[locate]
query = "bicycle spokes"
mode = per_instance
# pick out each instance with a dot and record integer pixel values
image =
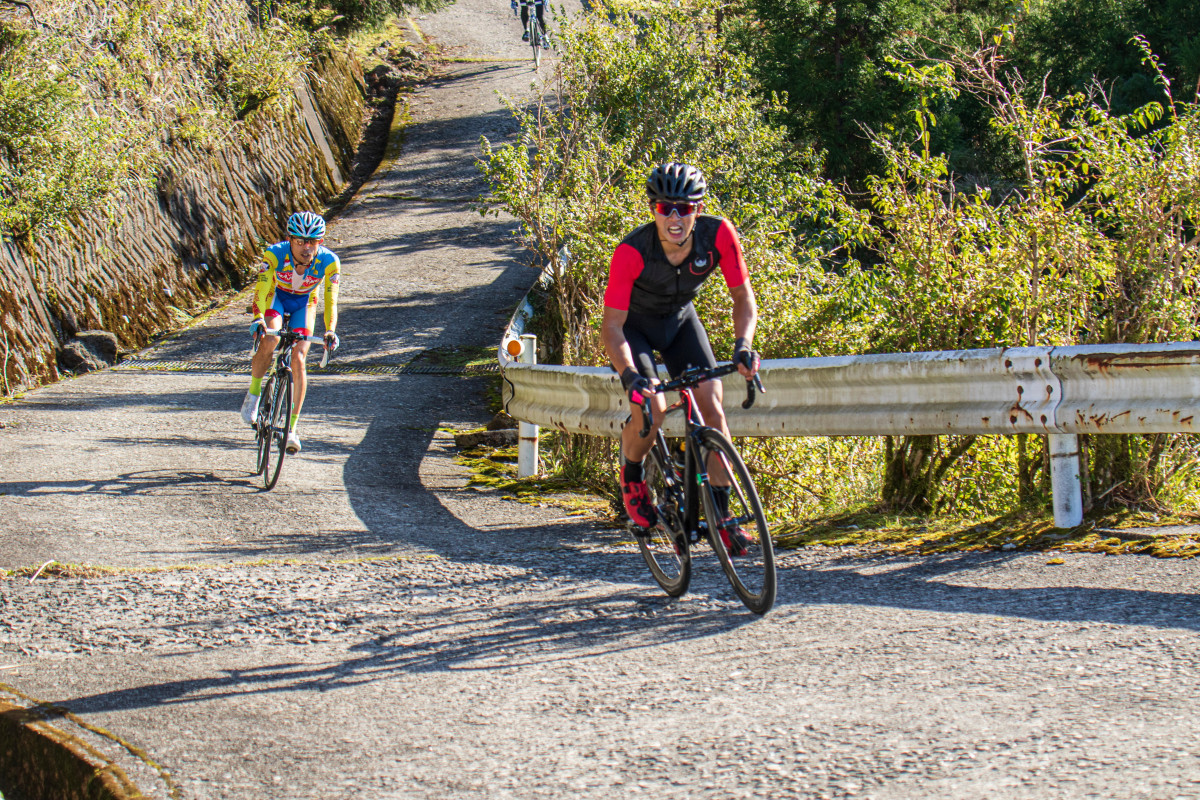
(665, 547)
(738, 529)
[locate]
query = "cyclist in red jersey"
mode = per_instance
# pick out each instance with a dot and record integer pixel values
(656, 272)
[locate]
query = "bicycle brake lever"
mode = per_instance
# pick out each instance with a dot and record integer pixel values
(750, 386)
(325, 357)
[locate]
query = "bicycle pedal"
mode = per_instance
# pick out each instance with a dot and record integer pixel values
(646, 533)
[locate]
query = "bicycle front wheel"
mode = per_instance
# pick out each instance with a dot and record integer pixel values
(665, 547)
(277, 430)
(262, 426)
(535, 39)
(737, 529)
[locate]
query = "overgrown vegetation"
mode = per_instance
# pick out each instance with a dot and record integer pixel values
(1074, 224)
(576, 177)
(93, 92)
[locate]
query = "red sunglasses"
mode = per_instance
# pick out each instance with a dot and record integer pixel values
(682, 209)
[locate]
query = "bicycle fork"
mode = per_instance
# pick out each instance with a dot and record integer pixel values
(695, 477)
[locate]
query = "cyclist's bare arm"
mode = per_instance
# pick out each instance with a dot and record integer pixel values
(612, 335)
(745, 319)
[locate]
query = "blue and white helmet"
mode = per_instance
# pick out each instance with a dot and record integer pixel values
(307, 225)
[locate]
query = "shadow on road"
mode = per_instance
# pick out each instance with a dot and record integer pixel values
(928, 585)
(160, 483)
(533, 632)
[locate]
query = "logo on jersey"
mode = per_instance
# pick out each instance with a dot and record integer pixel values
(701, 265)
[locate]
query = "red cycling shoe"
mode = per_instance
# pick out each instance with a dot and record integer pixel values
(737, 542)
(637, 502)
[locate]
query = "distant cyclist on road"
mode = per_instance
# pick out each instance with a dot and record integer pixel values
(289, 273)
(539, 9)
(655, 273)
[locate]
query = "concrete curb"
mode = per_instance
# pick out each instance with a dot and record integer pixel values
(41, 761)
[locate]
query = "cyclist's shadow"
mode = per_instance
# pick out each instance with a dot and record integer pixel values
(142, 482)
(528, 633)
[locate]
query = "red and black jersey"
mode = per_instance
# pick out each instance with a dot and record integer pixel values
(642, 281)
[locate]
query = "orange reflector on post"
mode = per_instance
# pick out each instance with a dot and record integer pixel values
(513, 347)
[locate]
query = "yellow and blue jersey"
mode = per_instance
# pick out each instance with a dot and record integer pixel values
(284, 286)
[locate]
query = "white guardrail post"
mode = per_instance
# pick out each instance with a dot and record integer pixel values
(527, 447)
(1064, 479)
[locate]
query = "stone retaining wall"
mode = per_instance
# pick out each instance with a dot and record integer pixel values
(193, 234)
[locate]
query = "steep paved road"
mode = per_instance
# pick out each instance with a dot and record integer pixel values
(375, 629)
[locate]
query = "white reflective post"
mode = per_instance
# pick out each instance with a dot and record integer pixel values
(527, 447)
(1064, 479)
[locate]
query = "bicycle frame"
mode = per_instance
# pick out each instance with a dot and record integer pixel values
(694, 473)
(283, 349)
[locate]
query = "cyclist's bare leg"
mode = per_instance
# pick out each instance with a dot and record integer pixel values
(299, 376)
(633, 445)
(299, 353)
(261, 362)
(709, 396)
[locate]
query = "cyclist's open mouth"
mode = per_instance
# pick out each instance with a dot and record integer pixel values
(676, 233)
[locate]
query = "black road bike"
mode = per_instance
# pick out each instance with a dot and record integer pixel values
(678, 478)
(273, 421)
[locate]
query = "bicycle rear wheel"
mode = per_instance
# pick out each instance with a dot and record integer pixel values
(279, 424)
(740, 537)
(665, 547)
(535, 38)
(262, 426)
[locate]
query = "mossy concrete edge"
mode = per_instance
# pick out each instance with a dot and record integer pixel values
(41, 762)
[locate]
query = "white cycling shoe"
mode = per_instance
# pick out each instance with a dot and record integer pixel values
(249, 408)
(293, 443)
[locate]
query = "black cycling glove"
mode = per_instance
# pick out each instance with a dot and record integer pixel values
(742, 354)
(636, 385)
(331, 341)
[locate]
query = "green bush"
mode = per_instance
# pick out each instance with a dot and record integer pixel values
(348, 15)
(629, 94)
(59, 154)
(90, 101)
(1088, 236)
(259, 70)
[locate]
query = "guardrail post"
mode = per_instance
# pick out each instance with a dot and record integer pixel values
(1064, 479)
(527, 448)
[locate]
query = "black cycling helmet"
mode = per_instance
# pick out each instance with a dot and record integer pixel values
(676, 182)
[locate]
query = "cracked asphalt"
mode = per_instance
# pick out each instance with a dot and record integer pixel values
(375, 628)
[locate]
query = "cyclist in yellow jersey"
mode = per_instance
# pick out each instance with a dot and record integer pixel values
(289, 273)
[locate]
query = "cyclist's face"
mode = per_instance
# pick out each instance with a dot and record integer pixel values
(304, 249)
(675, 226)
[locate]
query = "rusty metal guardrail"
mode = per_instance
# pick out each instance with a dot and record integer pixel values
(1057, 391)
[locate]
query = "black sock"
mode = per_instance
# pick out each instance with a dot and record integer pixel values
(633, 471)
(721, 496)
